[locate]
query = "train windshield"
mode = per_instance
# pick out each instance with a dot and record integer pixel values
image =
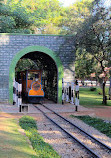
(33, 76)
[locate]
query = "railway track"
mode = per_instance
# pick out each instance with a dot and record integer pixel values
(94, 147)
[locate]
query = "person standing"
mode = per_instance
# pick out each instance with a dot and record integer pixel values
(76, 95)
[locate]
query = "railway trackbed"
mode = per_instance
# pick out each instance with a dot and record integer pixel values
(93, 146)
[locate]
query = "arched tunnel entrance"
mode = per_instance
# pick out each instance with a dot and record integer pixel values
(49, 78)
(47, 60)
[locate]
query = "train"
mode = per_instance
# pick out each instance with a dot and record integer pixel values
(32, 86)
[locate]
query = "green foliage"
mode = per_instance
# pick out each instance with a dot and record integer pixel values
(74, 16)
(42, 149)
(97, 123)
(84, 65)
(92, 89)
(27, 123)
(7, 23)
(94, 36)
(19, 30)
(14, 19)
(25, 64)
(21, 17)
(40, 16)
(1, 3)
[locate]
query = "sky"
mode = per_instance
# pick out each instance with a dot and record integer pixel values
(108, 3)
(68, 2)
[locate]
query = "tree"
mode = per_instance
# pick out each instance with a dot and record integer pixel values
(5, 18)
(85, 65)
(109, 65)
(45, 14)
(25, 64)
(14, 20)
(94, 36)
(74, 15)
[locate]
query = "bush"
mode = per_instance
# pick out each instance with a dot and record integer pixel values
(92, 89)
(42, 149)
(97, 123)
(27, 122)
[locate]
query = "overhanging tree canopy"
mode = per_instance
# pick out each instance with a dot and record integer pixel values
(94, 36)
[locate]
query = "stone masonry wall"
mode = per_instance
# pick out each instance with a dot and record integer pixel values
(11, 44)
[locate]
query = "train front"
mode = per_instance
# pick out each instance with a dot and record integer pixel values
(34, 91)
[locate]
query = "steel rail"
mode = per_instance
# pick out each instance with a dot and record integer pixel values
(70, 135)
(104, 145)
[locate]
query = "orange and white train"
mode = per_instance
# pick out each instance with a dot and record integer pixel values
(32, 85)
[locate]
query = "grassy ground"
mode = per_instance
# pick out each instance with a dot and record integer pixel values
(42, 149)
(91, 98)
(97, 123)
(12, 143)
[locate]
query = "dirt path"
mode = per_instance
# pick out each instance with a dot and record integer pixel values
(104, 112)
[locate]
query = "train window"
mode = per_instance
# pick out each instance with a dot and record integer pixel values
(36, 75)
(33, 76)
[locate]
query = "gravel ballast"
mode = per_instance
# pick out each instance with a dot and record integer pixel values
(56, 139)
(65, 147)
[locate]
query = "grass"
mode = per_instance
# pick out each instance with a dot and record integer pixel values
(42, 149)
(91, 98)
(97, 123)
(12, 143)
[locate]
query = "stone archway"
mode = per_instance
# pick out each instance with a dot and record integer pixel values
(32, 49)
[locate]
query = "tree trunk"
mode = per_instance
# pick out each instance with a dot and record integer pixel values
(110, 90)
(104, 82)
(96, 82)
(104, 94)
